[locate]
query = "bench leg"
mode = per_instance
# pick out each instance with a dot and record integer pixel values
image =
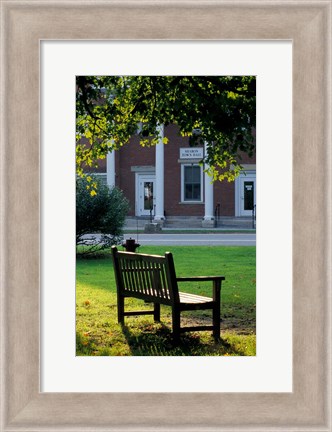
(120, 309)
(156, 312)
(176, 324)
(216, 322)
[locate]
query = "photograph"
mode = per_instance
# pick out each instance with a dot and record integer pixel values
(166, 216)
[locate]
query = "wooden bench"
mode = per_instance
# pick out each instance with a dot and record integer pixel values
(152, 278)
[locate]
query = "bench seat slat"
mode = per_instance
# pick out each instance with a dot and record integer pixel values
(193, 298)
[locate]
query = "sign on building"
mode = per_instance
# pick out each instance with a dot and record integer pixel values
(191, 153)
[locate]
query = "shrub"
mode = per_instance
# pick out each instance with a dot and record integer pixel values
(100, 216)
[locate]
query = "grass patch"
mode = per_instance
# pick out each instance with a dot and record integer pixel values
(97, 330)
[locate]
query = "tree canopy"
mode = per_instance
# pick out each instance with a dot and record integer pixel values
(219, 111)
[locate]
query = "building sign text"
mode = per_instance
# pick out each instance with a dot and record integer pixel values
(191, 153)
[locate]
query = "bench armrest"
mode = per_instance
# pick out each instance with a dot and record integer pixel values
(216, 283)
(200, 278)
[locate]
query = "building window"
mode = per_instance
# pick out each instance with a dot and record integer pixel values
(191, 183)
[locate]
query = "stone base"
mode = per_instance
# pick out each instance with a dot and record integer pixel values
(158, 221)
(208, 223)
(152, 227)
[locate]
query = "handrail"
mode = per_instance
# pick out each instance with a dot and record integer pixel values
(254, 217)
(217, 213)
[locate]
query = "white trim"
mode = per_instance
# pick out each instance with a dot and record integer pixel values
(160, 181)
(208, 198)
(249, 174)
(248, 167)
(208, 193)
(143, 169)
(110, 168)
(183, 201)
(102, 175)
(138, 178)
(190, 161)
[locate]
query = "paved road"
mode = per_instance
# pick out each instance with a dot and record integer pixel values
(214, 239)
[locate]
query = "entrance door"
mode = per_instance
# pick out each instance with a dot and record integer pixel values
(247, 194)
(146, 195)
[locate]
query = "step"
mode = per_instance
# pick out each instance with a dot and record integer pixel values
(193, 222)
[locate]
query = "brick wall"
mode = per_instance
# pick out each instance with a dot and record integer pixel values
(133, 155)
(130, 155)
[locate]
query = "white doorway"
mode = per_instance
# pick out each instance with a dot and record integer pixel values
(246, 194)
(145, 194)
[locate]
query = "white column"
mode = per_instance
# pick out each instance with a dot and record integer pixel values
(159, 193)
(208, 220)
(110, 168)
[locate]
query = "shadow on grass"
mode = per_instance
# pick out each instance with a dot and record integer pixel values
(152, 341)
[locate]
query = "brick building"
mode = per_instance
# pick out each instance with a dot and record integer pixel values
(166, 182)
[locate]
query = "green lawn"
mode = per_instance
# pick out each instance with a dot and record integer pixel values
(96, 321)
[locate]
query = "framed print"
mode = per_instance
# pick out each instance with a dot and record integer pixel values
(242, 374)
(307, 25)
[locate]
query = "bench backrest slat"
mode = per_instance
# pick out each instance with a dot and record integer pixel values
(150, 276)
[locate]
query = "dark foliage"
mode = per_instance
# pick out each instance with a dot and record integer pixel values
(100, 215)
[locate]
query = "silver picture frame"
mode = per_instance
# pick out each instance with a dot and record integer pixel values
(307, 23)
